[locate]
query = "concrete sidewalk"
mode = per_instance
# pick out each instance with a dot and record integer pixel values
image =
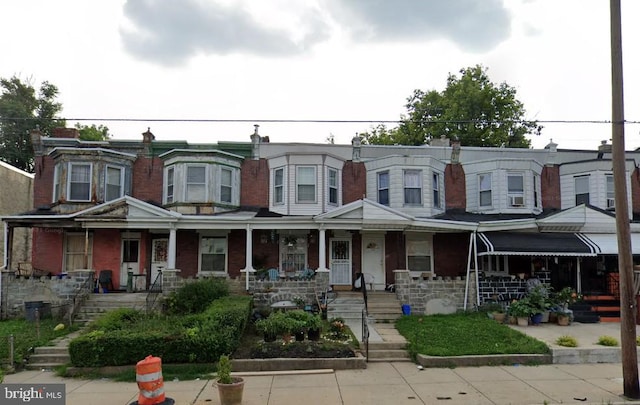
(380, 383)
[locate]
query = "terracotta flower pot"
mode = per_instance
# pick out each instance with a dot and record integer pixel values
(231, 394)
(563, 320)
(523, 320)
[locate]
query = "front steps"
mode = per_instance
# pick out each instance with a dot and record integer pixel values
(606, 307)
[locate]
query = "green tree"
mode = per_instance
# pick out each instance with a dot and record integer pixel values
(471, 109)
(93, 133)
(23, 109)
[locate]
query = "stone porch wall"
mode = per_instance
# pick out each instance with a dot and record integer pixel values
(425, 296)
(59, 292)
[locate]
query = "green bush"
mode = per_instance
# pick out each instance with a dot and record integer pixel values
(196, 296)
(281, 323)
(197, 338)
(607, 341)
(567, 341)
(121, 318)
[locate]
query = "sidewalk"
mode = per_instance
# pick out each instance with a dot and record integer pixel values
(380, 383)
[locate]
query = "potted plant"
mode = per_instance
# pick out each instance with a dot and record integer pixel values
(268, 328)
(563, 318)
(494, 310)
(521, 310)
(302, 319)
(280, 323)
(314, 327)
(538, 298)
(230, 388)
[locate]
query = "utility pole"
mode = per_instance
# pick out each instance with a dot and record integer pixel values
(625, 260)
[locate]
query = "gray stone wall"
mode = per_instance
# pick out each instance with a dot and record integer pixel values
(423, 295)
(60, 293)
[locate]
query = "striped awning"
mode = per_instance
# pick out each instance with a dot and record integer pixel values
(533, 244)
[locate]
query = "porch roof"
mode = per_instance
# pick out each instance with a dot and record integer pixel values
(607, 243)
(533, 244)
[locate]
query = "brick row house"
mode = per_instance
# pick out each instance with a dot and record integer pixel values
(227, 208)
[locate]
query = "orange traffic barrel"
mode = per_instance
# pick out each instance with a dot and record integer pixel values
(150, 382)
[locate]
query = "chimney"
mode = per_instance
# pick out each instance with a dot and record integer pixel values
(71, 133)
(603, 148)
(356, 142)
(443, 141)
(255, 143)
(148, 137)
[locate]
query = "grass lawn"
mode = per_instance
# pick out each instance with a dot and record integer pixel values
(464, 334)
(26, 336)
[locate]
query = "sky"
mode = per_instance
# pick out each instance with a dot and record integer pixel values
(144, 61)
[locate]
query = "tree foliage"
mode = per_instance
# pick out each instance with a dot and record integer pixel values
(93, 132)
(23, 109)
(471, 109)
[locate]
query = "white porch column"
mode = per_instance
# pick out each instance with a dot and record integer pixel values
(322, 250)
(171, 255)
(248, 265)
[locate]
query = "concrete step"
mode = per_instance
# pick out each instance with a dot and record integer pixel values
(36, 361)
(388, 355)
(51, 350)
(387, 346)
(43, 366)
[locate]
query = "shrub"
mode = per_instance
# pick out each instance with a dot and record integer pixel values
(280, 323)
(121, 318)
(607, 341)
(224, 370)
(567, 341)
(196, 296)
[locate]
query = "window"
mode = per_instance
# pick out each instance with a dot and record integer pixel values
(213, 254)
(436, 190)
(536, 190)
(225, 185)
(333, 186)
(419, 255)
(196, 183)
(515, 190)
(582, 189)
(74, 255)
(170, 175)
(306, 183)
(383, 188)
(79, 182)
(412, 187)
(278, 186)
(114, 183)
(293, 253)
(57, 183)
(611, 202)
(484, 181)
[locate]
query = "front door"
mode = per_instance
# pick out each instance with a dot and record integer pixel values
(373, 259)
(340, 261)
(158, 257)
(130, 259)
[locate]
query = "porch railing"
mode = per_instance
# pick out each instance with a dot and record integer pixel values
(365, 317)
(154, 292)
(79, 297)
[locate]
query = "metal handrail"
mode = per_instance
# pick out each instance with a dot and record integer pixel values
(365, 317)
(79, 297)
(154, 291)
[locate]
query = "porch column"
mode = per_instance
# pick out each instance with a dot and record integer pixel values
(7, 243)
(322, 250)
(578, 275)
(171, 254)
(248, 265)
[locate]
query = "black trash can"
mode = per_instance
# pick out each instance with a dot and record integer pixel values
(30, 308)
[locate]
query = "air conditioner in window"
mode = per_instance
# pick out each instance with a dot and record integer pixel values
(611, 203)
(516, 201)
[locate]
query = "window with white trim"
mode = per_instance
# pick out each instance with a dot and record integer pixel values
(611, 201)
(196, 187)
(536, 190)
(79, 183)
(213, 254)
(170, 179)
(418, 255)
(383, 188)
(582, 189)
(226, 186)
(484, 190)
(74, 251)
(57, 182)
(333, 186)
(436, 190)
(515, 189)
(114, 183)
(412, 187)
(278, 186)
(306, 184)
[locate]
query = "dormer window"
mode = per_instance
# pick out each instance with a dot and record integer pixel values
(484, 187)
(196, 184)
(226, 185)
(515, 190)
(436, 190)
(611, 202)
(79, 183)
(412, 187)
(383, 188)
(170, 178)
(333, 186)
(582, 189)
(306, 184)
(114, 183)
(278, 186)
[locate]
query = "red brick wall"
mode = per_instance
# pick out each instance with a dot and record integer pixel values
(237, 253)
(455, 192)
(147, 179)
(43, 181)
(550, 187)
(107, 253)
(356, 254)
(187, 253)
(354, 182)
(47, 249)
(254, 190)
(450, 254)
(394, 254)
(265, 255)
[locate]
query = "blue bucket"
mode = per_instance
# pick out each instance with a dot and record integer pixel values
(406, 309)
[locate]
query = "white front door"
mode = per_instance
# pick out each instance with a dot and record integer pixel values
(130, 259)
(340, 261)
(373, 259)
(158, 257)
